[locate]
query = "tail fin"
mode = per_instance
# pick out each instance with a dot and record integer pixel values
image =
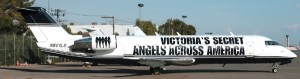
(42, 24)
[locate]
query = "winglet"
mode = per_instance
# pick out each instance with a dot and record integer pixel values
(178, 34)
(231, 33)
(156, 34)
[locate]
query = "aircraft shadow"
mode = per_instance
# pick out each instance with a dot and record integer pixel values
(78, 65)
(210, 70)
(131, 72)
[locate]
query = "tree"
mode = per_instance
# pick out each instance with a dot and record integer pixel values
(8, 13)
(176, 25)
(68, 29)
(147, 27)
(79, 33)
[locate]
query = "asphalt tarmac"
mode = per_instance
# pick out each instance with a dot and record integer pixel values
(74, 70)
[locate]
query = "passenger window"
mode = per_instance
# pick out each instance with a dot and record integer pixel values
(271, 43)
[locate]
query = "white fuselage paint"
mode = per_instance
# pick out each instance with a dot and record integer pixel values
(155, 51)
(215, 46)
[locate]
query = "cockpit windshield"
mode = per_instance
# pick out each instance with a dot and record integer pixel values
(271, 43)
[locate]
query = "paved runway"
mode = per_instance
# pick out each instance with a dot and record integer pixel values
(202, 71)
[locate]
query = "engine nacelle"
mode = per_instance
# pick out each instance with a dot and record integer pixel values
(184, 62)
(104, 42)
(92, 44)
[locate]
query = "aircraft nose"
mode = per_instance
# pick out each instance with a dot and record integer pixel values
(292, 54)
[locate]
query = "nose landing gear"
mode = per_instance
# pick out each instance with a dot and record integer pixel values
(274, 67)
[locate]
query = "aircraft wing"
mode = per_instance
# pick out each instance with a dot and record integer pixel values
(168, 61)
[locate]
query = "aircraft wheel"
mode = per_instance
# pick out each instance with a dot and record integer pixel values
(95, 64)
(151, 70)
(274, 70)
(155, 70)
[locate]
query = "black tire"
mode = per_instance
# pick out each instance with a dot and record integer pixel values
(274, 70)
(151, 70)
(156, 71)
(95, 64)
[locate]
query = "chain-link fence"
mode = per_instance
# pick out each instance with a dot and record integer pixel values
(21, 49)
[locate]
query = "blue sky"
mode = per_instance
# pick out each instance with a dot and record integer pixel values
(271, 18)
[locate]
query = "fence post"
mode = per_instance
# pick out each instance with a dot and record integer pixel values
(5, 50)
(14, 49)
(23, 45)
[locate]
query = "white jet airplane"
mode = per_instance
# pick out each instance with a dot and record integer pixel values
(154, 51)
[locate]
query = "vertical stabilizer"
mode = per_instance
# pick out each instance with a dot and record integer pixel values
(42, 25)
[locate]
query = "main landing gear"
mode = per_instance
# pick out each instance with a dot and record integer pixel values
(156, 70)
(274, 67)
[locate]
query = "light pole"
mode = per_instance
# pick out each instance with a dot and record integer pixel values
(182, 27)
(15, 23)
(48, 5)
(287, 41)
(113, 18)
(170, 29)
(183, 17)
(140, 6)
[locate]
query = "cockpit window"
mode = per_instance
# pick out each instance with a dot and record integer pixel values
(271, 43)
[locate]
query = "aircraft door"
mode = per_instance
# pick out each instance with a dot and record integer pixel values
(249, 49)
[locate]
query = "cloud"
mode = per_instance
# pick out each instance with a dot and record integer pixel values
(267, 31)
(256, 31)
(294, 26)
(298, 5)
(228, 29)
